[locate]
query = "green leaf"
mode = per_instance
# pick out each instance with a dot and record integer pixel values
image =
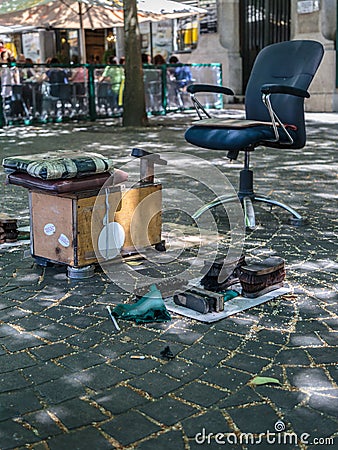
(258, 381)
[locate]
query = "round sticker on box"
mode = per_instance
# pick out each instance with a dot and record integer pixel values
(63, 240)
(49, 229)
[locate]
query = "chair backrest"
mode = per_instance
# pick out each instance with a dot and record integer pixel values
(290, 63)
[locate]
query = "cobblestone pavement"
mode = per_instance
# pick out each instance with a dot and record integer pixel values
(66, 377)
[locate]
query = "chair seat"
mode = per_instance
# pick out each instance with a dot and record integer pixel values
(236, 138)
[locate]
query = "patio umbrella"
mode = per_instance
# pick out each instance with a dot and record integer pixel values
(170, 9)
(65, 14)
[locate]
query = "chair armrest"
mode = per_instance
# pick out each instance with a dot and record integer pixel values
(282, 89)
(195, 88)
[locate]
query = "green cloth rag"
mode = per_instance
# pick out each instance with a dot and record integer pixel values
(150, 308)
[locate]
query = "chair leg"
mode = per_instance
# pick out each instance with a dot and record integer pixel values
(296, 218)
(216, 202)
(249, 213)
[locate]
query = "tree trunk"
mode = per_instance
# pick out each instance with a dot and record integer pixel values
(134, 108)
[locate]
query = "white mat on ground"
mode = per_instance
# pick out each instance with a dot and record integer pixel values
(231, 307)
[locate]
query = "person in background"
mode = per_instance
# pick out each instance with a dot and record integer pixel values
(2, 46)
(79, 77)
(181, 73)
(115, 75)
(27, 75)
(146, 59)
(120, 99)
(10, 77)
(159, 60)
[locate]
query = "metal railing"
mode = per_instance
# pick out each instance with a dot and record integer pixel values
(74, 92)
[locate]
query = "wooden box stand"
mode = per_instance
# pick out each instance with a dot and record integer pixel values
(64, 230)
(68, 216)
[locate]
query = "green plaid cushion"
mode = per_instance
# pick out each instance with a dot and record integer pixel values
(59, 165)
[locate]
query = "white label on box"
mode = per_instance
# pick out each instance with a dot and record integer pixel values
(63, 240)
(49, 229)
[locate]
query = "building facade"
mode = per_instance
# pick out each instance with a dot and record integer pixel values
(303, 19)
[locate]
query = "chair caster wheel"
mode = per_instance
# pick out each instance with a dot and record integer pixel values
(160, 246)
(296, 222)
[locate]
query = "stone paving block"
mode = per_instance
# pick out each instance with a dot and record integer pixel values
(17, 294)
(76, 413)
(113, 349)
(270, 322)
(166, 441)
(246, 362)
(234, 325)
(95, 310)
(222, 339)
(101, 376)
(254, 418)
(260, 348)
(305, 340)
(204, 354)
(64, 388)
(88, 438)
(137, 334)
(243, 396)
(201, 394)
(78, 300)
(292, 357)
(308, 378)
(326, 401)
(330, 337)
(272, 336)
(20, 342)
(59, 312)
(211, 421)
(306, 420)
(10, 381)
(119, 400)
(80, 321)
(155, 383)
(86, 339)
(136, 366)
(310, 309)
(167, 410)
(33, 322)
(155, 347)
(6, 303)
(182, 370)
(15, 361)
(284, 399)
(213, 445)
(18, 402)
(333, 371)
(226, 377)
(81, 360)
(44, 425)
(184, 336)
(56, 332)
(52, 351)
(312, 325)
(13, 434)
(35, 304)
(12, 313)
(332, 323)
(324, 355)
(129, 427)
(43, 372)
(7, 330)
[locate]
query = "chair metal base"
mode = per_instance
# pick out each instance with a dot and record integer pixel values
(249, 212)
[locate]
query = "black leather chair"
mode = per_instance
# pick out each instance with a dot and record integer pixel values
(274, 105)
